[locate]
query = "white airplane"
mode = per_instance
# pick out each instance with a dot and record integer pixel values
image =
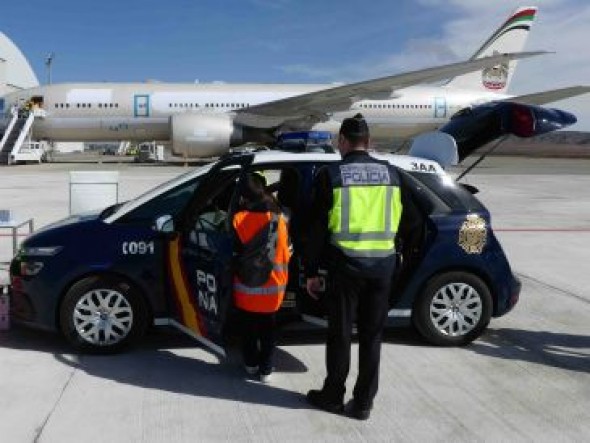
(202, 120)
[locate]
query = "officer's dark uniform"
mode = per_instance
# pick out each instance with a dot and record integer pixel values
(355, 214)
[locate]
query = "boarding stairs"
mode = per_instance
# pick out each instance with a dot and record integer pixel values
(16, 145)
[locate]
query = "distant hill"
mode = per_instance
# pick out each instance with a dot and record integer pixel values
(572, 144)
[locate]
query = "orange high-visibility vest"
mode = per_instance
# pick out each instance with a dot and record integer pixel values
(269, 296)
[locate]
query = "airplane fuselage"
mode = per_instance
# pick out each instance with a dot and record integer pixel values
(144, 111)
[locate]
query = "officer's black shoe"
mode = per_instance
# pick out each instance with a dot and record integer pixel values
(353, 410)
(319, 399)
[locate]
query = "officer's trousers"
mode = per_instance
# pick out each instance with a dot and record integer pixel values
(366, 300)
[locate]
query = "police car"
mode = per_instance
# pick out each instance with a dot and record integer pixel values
(164, 258)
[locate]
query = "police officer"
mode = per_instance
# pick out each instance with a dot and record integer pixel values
(356, 209)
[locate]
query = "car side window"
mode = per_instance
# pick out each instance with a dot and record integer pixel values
(423, 196)
(452, 196)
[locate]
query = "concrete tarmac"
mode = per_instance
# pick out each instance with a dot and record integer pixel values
(526, 379)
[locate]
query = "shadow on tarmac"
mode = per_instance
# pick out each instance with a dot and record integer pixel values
(155, 365)
(564, 351)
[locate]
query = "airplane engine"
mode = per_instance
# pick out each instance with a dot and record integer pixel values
(204, 135)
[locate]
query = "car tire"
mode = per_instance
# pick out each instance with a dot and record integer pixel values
(103, 314)
(453, 309)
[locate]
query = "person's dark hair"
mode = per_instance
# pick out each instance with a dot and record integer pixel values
(355, 129)
(255, 194)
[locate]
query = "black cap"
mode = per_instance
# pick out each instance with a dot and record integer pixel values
(354, 128)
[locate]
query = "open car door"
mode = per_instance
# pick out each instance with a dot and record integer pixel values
(200, 256)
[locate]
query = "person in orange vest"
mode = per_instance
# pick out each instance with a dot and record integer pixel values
(260, 272)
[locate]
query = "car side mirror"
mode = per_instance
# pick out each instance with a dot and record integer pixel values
(164, 223)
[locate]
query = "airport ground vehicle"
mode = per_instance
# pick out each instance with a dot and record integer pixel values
(149, 152)
(164, 258)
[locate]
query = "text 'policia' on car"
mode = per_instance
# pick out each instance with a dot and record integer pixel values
(165, 257)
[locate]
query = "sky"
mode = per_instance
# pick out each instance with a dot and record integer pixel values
(291, 41)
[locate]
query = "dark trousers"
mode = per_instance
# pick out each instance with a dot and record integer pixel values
(365, 299)
(258, 339)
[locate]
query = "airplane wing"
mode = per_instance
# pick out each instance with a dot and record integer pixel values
(540, 98)
(316, 105)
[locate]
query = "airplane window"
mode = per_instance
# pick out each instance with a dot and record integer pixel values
(90, 105)
(67, 105)
(116, 105)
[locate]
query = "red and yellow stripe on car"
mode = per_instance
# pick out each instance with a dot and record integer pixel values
(189, 313)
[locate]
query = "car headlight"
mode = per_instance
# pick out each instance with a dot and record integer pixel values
(30, 268)
(43, 251)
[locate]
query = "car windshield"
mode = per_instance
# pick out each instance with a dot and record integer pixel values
(164, 187)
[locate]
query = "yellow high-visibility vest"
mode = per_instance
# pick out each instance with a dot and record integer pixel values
(366, 209)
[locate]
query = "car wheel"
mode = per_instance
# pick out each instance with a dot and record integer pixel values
(103, 314)
(453, 309)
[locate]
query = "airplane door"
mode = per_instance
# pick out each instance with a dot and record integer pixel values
(440, 107)
(142, 106)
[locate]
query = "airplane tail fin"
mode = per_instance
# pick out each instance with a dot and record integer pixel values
(510, 37)
(15, 71)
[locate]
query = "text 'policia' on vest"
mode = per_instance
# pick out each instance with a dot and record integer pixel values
(366, 210)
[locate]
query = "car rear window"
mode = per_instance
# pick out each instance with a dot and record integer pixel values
(454, 195)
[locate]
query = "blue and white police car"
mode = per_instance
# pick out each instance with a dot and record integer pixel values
(164, 258)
